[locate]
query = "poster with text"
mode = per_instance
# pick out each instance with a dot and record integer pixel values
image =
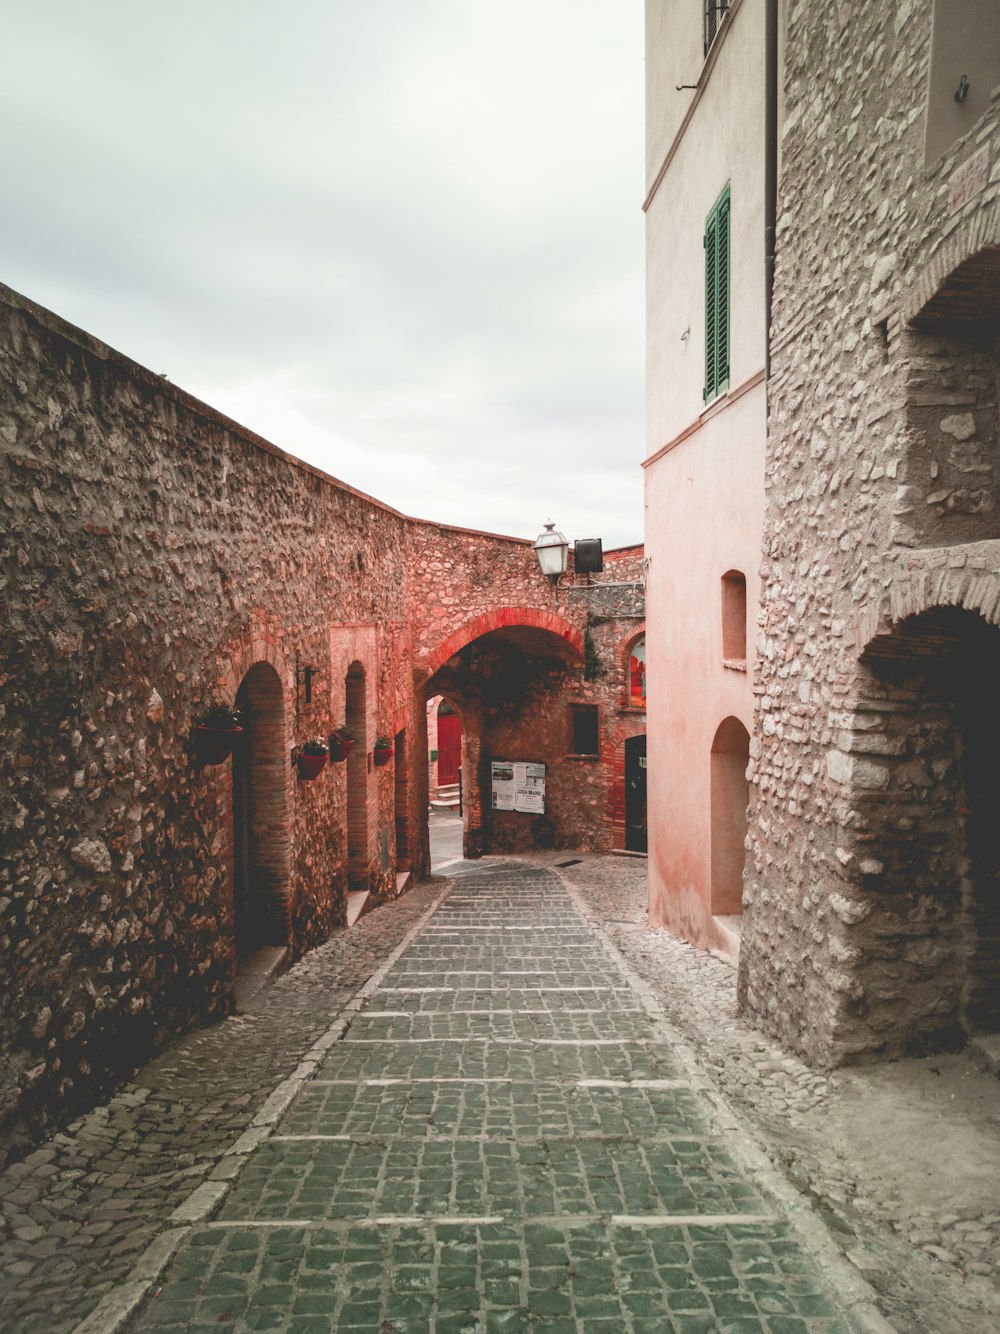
(529, 788)
(518, 785)
(502, 774)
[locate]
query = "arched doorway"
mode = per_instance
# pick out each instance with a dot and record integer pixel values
(730, 794)
(356, 722)
(261, 826)
(923, 773)
(635, 794)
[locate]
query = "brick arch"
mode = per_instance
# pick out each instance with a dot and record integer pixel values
(499, 619)
(256, 647)
(977, 237)
(624, 657)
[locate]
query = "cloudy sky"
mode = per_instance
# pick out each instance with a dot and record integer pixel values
(400, 238)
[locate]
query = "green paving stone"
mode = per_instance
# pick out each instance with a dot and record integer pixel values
(222, 1285)
(729, 1304)
(459, 1299)
(506, 1322)
(549, 1301)
(456, 1324)
(408, 1305)
(358, 1315)
(274, 1294)
(813, 1305)
(314, 1303)
(498, 1292)
(597, 1307)
(688, 1299)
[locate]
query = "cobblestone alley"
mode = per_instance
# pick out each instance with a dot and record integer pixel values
(479, 1109)
(502, 1139)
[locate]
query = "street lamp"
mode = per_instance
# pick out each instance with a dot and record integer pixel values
(551, 548)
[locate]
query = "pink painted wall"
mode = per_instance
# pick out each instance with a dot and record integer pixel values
(707, 497)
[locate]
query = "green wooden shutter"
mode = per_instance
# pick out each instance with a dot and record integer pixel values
(717, 299)
(711, 301)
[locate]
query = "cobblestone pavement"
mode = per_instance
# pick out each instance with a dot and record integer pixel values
(90, 1217)
(505, 1138)
(932, 1253)
(76, 1214)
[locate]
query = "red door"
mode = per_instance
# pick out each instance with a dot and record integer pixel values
(449, 748)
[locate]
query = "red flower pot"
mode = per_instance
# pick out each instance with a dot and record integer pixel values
(311, 766)
(214, 745)
(339, 750)
(382, 755)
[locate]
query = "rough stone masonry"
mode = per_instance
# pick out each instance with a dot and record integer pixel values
(155, 558)
(872, 921)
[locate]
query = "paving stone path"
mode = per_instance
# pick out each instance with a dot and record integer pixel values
(505, 1138)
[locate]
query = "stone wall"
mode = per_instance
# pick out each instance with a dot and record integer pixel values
(156, 558)
(881, 486)
(153, 555)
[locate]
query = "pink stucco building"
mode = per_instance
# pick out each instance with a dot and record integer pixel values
(707, 346)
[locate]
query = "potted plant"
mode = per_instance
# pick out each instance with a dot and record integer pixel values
(312, 758)
(341, 743)
(216, 732)
(383, 750)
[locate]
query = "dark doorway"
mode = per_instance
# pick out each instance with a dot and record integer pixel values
(356, 722)
(261, 835)
(635, 794)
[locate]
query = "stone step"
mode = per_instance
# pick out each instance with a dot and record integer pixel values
(255, 969)
(358, 902)
(985, 1051)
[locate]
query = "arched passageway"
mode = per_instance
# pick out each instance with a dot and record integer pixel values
(261, 827)
(509, 688)
(924, 775)
(730, 794)
(356, 722)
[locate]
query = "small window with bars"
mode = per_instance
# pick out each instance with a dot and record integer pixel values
(717, 298)
(714, 13)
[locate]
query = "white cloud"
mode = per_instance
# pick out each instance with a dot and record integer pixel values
(402, 240)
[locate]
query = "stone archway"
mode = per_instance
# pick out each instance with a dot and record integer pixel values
(261, 824)
(509, 683)
(922, 777)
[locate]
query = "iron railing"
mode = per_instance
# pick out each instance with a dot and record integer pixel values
(714, 13)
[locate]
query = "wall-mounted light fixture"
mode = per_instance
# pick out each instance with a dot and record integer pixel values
(962, 91)
(304, 676)
(551, 548)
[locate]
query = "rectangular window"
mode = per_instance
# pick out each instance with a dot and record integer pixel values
(585, 735)
(717, 299)
(714, 11)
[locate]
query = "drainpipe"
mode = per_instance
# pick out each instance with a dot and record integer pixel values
(770, 163)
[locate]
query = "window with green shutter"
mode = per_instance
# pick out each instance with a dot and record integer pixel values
(717, 298)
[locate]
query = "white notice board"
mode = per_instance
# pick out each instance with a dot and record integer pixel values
(518, 785)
